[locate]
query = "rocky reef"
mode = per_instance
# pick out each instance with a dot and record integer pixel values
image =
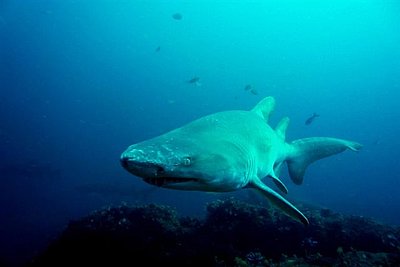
(233, 233)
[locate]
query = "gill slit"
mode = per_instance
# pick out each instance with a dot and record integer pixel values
(248, 160)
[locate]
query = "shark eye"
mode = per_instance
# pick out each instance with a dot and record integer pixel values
(187, 161)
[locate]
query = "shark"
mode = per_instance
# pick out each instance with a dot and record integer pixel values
(228, 151)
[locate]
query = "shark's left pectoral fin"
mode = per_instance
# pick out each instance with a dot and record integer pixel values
(278, 201)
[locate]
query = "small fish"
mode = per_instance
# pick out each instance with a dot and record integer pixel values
(158, 49)
(311, 119)
(250, 88)
(194, 80)
(254, 91)
(177, 16)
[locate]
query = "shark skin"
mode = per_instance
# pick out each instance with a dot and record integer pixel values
(228, 151)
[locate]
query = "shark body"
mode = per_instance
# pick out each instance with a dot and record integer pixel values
(228, 151)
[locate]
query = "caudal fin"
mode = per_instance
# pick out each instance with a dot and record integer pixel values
(305, 151)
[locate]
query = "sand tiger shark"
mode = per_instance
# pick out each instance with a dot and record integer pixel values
(228, 151)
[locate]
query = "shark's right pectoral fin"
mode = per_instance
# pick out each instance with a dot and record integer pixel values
(278, 201)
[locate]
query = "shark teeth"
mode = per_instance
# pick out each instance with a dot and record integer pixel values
(160, 181)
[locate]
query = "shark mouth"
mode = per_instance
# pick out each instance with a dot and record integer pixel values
(161, 181)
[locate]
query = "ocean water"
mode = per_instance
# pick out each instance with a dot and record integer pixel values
(82, 80)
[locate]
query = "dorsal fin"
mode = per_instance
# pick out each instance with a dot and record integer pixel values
(265, 107)
(281, 127)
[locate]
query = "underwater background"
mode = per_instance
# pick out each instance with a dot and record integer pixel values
(82, 80)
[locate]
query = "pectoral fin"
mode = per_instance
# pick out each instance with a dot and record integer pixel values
(278, 201)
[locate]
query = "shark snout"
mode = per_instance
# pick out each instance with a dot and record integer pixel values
(124, 162)
(143, 169)
(143, 163)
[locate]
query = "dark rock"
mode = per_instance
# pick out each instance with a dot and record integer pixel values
(233, 233)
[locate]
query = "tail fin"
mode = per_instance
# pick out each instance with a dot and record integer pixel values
(306, 151)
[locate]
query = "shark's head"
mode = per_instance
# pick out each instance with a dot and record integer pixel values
(179, 161)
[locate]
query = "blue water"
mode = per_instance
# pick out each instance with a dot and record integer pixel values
(82, 80)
